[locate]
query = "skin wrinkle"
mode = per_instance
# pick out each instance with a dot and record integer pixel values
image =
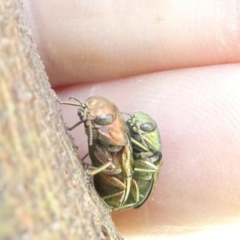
(233, 23)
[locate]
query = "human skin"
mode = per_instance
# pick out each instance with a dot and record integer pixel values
(178, 61)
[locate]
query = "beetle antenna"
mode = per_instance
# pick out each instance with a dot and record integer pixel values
(77, 100)
(90, 134)
(79, 104)
(130, 115)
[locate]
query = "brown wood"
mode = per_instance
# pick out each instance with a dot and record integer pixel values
(44, 192)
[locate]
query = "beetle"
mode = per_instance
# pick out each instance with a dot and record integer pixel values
(147, 154)
(110, 151)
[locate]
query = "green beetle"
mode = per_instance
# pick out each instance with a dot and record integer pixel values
(147, 155)
(110, 151)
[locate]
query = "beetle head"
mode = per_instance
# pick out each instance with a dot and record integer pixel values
(144, 130)
(103, 122)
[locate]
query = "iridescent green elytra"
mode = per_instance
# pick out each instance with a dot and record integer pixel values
(147, 154)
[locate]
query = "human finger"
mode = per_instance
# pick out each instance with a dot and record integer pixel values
(82, 41)
(197, 111)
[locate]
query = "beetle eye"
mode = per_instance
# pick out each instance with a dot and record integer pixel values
(104, 119)
(148, 127)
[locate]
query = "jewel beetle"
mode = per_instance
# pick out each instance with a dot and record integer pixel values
(147, 154)
(110, 151)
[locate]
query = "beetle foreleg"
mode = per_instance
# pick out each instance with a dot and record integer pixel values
(75, 125)
(113, 195)
(99, 169)
(139, 144)
(131, 202)
(144, 170)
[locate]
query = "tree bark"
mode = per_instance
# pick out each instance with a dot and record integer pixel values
(44, 191)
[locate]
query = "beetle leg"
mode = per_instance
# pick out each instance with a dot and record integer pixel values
(135, 190)
(75, 125)
(144, 155)
(127, 170)
(144, 164)
(85, 156)
(115, 198)
(134, 200)
(144, 170)
(127, 182)
(127, 161)
(113, 171)
(113, 181)
(99, 169)
(113, 195)
(100, 153)
(102, 156)
(105, 171)
(139, 144)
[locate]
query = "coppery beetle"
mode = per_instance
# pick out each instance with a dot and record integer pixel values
(110, 151)
(147, 154)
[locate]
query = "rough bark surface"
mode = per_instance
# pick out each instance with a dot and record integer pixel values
(44, 192)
